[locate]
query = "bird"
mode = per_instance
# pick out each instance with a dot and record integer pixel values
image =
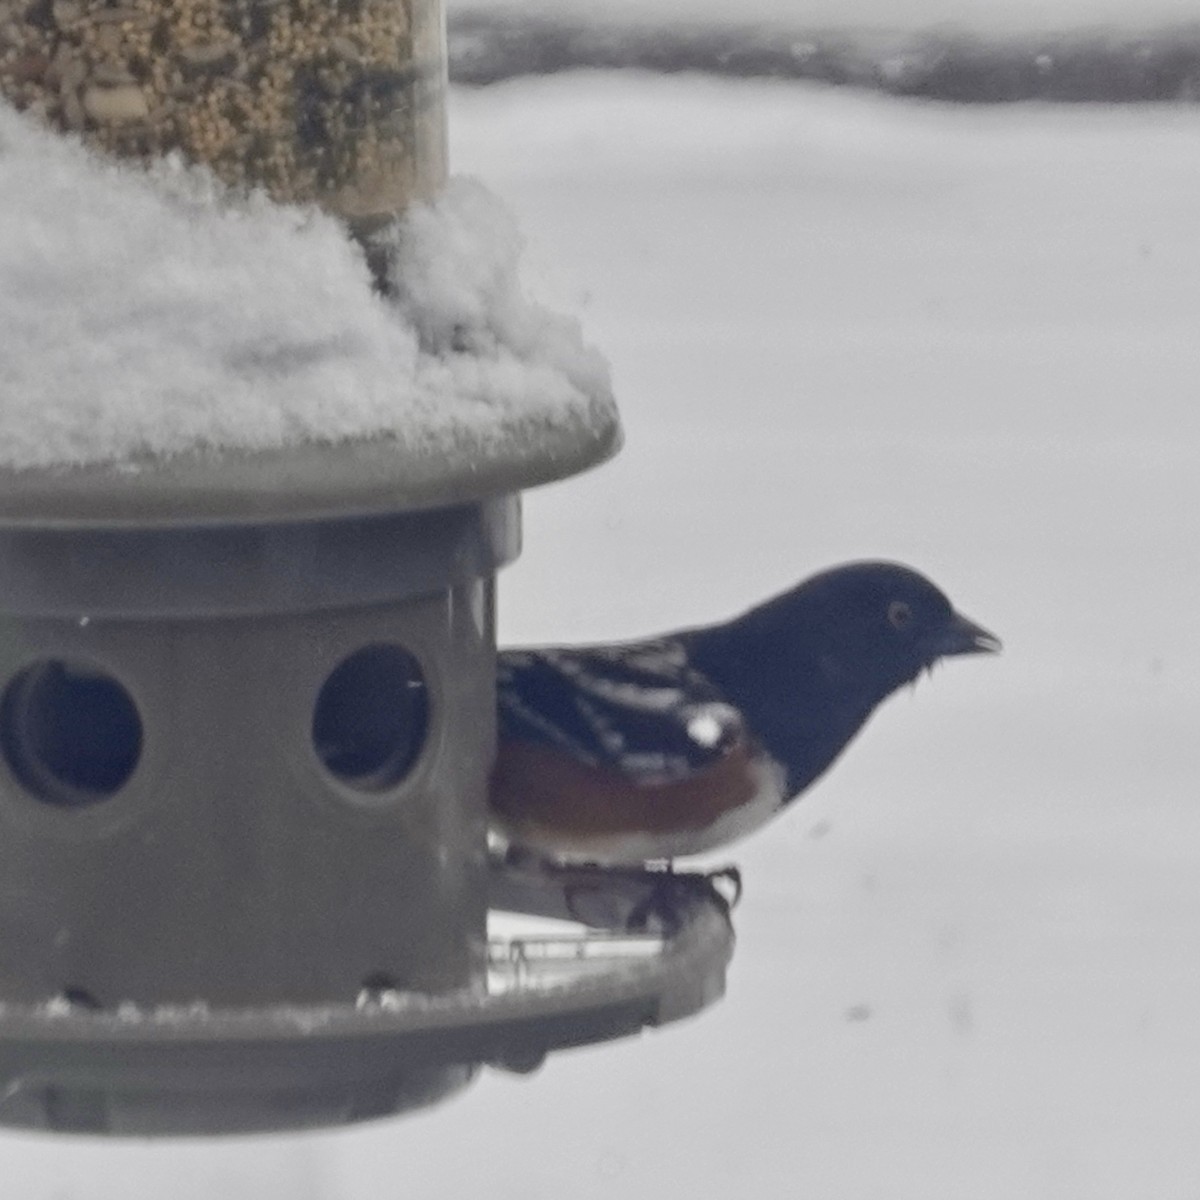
(623, 754)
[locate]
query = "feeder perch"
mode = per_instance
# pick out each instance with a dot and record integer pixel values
(247, 697)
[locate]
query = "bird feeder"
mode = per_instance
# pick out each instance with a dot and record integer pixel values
(247, 706)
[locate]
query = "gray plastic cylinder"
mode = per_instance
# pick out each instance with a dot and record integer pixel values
(245, 764)
(247, 713)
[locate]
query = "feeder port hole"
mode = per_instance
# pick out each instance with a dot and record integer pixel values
(70, 732)
(371, 718)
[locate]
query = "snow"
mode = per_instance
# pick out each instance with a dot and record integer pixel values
(158, 315)
(846, 327)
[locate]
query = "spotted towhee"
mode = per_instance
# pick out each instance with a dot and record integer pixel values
(639, 751)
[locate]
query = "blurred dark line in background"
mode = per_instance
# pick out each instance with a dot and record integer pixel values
(1099, 66)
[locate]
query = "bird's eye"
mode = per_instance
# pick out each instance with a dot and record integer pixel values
(899, 614)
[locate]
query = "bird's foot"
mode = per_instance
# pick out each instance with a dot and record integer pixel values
(652, 898)
(731, 877)
(671, 891)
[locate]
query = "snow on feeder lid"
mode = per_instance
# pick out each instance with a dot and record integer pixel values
(169, 343)
(250, 514)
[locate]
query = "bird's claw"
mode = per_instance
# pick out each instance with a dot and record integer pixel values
(634, 898)
(670, 891)
(732, 876)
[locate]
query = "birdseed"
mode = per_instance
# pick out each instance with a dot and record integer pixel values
(338, 102)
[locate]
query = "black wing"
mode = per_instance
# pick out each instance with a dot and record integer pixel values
(638, 707)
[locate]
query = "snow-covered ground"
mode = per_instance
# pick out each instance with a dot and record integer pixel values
(842, 326)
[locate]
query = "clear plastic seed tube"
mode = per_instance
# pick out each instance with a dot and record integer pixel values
(335, 102)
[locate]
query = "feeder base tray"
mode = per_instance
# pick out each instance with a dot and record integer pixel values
(199, 1070)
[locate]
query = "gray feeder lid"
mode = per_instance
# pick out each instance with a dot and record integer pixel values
(200, 1070)
(352, 478)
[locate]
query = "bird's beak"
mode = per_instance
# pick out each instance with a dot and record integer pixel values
(961, 636)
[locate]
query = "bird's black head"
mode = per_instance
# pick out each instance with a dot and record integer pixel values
(876, 625)
(808, 667)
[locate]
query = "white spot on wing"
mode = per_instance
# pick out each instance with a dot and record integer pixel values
(709, 725)
(705, 730)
